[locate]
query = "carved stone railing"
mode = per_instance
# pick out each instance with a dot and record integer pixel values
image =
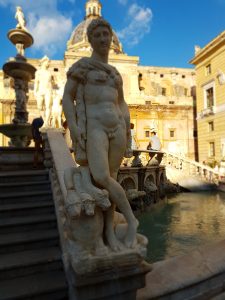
(92, 269)
(191, 167)
(153, 158)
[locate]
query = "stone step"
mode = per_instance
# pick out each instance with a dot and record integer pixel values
(7, 187)
(22, 263)
(23, 175)
(16, 197)
(17, 159)
(27, 223)
(28, 240)
(41, 286)
(25, 209)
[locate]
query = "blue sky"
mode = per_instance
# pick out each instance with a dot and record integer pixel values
(160, 32)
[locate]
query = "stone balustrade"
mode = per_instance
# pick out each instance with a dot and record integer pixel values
(191, 167)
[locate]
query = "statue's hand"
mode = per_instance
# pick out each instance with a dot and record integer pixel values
(128, 153)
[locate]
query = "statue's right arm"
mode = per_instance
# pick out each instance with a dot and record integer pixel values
(69, 109)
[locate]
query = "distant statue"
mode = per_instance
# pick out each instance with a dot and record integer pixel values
(57, 108)
(43, 88)
(99, 123)
(221, 77)
(19, 16)
(197, 49)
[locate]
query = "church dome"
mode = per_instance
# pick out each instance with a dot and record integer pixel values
(79, 40)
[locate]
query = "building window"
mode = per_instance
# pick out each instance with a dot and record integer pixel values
(171, 102)
(208, 69)
(141, 88)
(211, 126)
(172, 133)
(211, 149)
(183, 76)
(161, 75)
(56, 70)
(147, 133)
(185, 92)
(148, 102)
(209, 97)
(163, 91)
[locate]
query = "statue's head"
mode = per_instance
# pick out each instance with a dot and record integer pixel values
(97, 23)
(19, 8)
(45, 61)
(99, 34)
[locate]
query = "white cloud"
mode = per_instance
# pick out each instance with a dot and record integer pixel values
(139, 20)
(50, 33)
(49, 27)
(123, 2)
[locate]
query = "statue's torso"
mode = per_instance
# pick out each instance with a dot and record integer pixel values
(101, 85)
(101, 99)
(44, 82)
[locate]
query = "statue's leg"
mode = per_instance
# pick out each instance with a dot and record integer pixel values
(59, 120)
(40, 101)
(48, 107)
(118, 142)
(102, 166)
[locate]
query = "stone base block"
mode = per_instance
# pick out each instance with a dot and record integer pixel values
(118, 283)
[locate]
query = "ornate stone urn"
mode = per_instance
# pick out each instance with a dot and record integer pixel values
(19, 131)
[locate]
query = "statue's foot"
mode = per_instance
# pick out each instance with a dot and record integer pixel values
(114, 243)
(131, 234)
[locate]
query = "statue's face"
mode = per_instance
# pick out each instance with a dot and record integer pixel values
(101, 39)
(45, 64)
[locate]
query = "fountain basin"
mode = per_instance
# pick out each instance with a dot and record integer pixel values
(19, 69)
(19, 134)
(19, 36)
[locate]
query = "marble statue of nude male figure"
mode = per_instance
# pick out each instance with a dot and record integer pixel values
(99, 124)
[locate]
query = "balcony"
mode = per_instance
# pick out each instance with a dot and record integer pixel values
(207, 112)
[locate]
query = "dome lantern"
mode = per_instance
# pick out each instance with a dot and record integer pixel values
(93, 8)
(78, 41)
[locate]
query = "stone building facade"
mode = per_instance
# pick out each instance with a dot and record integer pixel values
(210, 71)
(158, 97)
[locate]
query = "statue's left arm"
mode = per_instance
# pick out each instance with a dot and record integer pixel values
(126, 115)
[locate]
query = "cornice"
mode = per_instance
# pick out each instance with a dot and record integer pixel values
(210, 47)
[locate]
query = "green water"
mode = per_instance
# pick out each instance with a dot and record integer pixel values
(182, 223)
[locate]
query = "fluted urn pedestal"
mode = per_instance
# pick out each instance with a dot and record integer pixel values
(19, 131)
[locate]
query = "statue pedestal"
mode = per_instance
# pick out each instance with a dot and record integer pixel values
(117, 283)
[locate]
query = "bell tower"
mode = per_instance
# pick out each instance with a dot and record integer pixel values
(93, 9)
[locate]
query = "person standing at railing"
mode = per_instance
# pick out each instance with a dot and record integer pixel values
(154, 143)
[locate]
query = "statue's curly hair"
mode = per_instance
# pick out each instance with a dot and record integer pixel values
(94, 24)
